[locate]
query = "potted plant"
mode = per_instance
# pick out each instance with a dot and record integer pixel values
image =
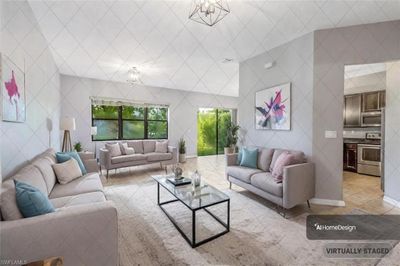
(231, 138)
(78, 146)
(182, 150)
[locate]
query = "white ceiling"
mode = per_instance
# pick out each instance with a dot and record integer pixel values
(103, 39)
(352, 71)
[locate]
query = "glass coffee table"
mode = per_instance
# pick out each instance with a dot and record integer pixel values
(195, 200)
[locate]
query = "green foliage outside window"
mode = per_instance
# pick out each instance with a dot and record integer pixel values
(130, 122)
(211, 135)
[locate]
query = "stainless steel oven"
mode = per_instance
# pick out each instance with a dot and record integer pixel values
(369, 159)
(371, 119)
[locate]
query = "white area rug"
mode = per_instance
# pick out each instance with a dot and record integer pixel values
(258, 236)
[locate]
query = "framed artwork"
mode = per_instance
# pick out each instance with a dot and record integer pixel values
(13, 91)
(272, 111)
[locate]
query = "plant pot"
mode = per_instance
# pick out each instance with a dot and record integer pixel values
(229, 150)
(182, 158)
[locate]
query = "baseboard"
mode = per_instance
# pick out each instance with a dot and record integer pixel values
(329, 202)
(191, 156)
(391, 201)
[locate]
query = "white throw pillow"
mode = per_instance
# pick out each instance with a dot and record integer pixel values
(114, 149)
(162, 146)
(67, 171)
(129, 151)
(125, 149)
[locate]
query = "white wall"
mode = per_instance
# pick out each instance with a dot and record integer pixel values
(76, 93)
(23, 42)
(392, 131)
(293, 63)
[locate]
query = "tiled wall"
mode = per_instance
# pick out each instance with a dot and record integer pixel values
(293, 62)
(184, 105)
(23, 42)
(335, 48)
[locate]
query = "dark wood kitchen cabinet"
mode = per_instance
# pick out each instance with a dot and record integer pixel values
(350, 157)
(352, 110)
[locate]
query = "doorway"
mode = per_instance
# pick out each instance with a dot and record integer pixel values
(363, 134)
(212, 126)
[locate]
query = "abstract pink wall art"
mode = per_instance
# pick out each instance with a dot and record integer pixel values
(13, 91)
(273, 108)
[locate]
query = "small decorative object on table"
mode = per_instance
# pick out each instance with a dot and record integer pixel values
(179, 182)
(177, 172)
(196, 179)
(78, 146)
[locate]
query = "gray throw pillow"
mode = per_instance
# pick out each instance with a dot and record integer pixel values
(162, 146)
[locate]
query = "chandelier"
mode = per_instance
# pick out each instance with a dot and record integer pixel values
(133, 76)
(209, 12)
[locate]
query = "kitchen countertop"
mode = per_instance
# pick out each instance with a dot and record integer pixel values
(362, 141)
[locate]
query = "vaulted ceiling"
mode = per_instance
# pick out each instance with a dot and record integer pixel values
(103, 39)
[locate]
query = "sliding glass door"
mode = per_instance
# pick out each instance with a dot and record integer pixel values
(212, 130)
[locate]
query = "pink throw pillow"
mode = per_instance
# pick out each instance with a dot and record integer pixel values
(283, 160)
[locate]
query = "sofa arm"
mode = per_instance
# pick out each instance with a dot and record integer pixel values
(298, 184)
(174, 151)
(105, 158)
(231, 159)
(83, 235)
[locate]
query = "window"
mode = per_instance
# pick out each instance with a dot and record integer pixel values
(129, 122)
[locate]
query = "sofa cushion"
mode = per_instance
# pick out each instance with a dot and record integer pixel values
(128, 158)
(44, 164)
(264, 158)
(299, 157)
(241, 172)
(137, 145)
(149, 146)
(65, 156)
(114, 149)
(249, 158)
(31, 175)
(31, 201)
(283, 160)
(157, 156)
(87, 183)
(266, 182)
(67, 171)
(8, 201)
(161, 146)
(85, 198)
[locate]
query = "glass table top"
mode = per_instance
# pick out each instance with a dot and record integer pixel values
(201, 197)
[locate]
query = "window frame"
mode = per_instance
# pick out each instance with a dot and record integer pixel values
(120, 121)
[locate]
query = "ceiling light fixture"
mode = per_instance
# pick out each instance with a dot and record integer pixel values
(133, 76)
(209, 12)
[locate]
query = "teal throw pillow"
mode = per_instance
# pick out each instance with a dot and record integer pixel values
(249, 158)
(65, 156)
(239, 157)
(31, 201)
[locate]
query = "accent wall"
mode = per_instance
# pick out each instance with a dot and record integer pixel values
(22, 42)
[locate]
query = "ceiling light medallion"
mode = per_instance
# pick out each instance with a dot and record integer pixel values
(209, 12)
(133, 76)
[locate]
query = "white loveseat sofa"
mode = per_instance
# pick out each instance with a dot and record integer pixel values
(144, 154)
(83, 229)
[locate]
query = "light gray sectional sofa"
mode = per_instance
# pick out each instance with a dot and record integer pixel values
(144, 154)
(298, 183)
(83, 229)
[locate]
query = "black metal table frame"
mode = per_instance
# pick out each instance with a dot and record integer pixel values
(193, 242)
